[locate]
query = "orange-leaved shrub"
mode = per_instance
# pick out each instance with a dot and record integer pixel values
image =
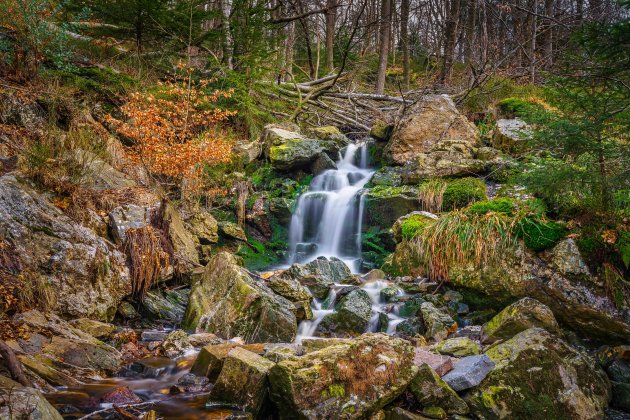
(175, 131)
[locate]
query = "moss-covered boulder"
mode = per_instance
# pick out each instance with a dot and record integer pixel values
(519, 316)
(511, 135)
(410, 225)
(242, 382)
(204, 227)
(381, 131)
(20, 402)
(319, 275)
(459, 347)
(183, 242)
(461, 192)
(536, 374)
(351, 316)
(438, 324)
(431, 391)
(430, 121)
(94, 328)
(295, 292)
(231, 230)
(226, 301)
(209, 360)
(344, 381)
(384, 205)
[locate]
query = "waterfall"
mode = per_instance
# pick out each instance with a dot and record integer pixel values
(328, 217)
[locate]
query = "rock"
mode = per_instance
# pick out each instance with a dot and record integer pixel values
(431, 391)
(345, 380)
(440, 364)
(420, 215)
(79, 274)
(536, 372)
(519, 316)
(127, 311)
(94, 328)
(26, 113)
(429, 122)
(242, 381)
(438, 324)
(229, 303)
(579, 304)
(289, 150)
(278, 352)
(319, 275)
(397, 413)
(280, 208)
(390, 293)
(193, 383)
(153, 335)
(20, 402)
(166, 304)
(329, 133)
(566, 259)
(381, 131)
(232, 230)
(322, 163)
(176, 344)
(434, 412)
(458, 347)
(181, 239)
(289, 288)
(209, 361)
(511, 135)
(204, 227)
(62, 346)
(352, 314)
(621, 396)
(129, 216)
(203, 339)
(469, 372)
(100, 175)
(385, 205)
(375, 274)
(312, 344)
(248, 152)
(121, 396)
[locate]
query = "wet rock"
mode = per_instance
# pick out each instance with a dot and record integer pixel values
(566, 258)
(389, 293)
(322, 163)
(203, 339)
(469, 372)
(176, 344)
(130, 216)
(94, 328)
(537, 372)
(511, 135)
(232, 231)
(440, 364)
(319, 275)
(193, 383)
(375, 274)
(121, 396)
(209, 361)
(352, 314)
(384, 205)
(346, 380)
(431, 391)
(242, 381)
(438, 324)
(204, 227)
(20, 402)
(153, 335)
(519, 316)
(229, 303)
(67, 260)
(430, 121)
(166, 304)
(458, 347)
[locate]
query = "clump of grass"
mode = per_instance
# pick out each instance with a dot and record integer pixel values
(431, 195)
(498, 205)
(463, 191)
(146, 259)
(412, 226)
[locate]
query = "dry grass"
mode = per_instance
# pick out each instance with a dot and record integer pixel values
(146, 257)
(431, 195)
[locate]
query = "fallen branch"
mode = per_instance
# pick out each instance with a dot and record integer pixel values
(13, 364)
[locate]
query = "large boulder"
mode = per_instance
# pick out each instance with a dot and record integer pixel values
(210, 359)
(204, 227)
(537, 372)
(129, 216)
(519, 316)
(242, 381)
(20, 402)
(431, 120)
(80, 273)
(431, 391)
(384, 205)
(438, 324)
(351, 316)
(578, 303)
(182, 241)
(345, 380)
(226, 301)
(511, 135)
(319, 275)
(295, 292)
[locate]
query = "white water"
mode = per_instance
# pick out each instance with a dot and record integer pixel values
(328, 217)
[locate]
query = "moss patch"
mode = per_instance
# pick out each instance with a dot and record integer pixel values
(462, 192)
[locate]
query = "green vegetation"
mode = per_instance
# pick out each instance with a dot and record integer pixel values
(498, 205)
(412, 226)
(463, 191)
(539, 235)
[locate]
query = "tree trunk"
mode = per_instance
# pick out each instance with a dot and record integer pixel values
(404, 40)
(548, 43)
(13, 364)
(452, 25)
(385, 30)
(331, 18)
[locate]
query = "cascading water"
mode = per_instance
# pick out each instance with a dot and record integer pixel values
(328, 217)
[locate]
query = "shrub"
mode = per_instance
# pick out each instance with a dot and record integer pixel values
(539, 235)
(498, 205)
(461, 192)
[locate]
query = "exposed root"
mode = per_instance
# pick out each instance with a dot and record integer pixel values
(146, 257)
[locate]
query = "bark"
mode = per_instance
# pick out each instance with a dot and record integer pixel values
(331, 19)
(404, 40)
(13, 364)
(452, 29)
(385, 31)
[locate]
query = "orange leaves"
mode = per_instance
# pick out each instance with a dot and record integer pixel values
(175, 131)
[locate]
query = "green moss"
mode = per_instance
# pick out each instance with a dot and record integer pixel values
(461, 192)
(384, 191)
(334, 391)
(497, 205)
(521, 108)
(539, 235)
(412, 226)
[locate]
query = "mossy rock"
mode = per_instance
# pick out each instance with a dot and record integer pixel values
(411, 225)
(503, 205)
(535, 373)
(462, 192)
(458, 347)
(352, 315)
(539, 235)
(381, 131)
(384, 205)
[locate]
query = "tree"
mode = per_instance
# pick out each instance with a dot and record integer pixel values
(173, 130)
(384, 40)
(404, 40)
(331, 19)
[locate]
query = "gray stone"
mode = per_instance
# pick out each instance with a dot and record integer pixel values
(153, 335)
(469, 372)
(511, 135)
(567, 260)
(20, 402)
(129, 216)
(352, 314)
(322, 164)
(438, 324)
